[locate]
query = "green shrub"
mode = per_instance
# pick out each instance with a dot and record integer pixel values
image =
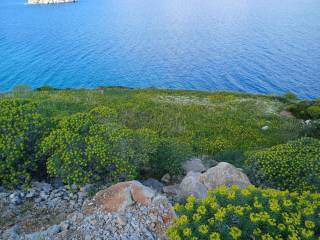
(91, 147)
(314, 111)
(235, 157)
(252, 213)
(290, 96)
(21, 128)
(169, 157)
(21, 91)
(294, 166)
(311, 130)
(305, 109)
(46, 88)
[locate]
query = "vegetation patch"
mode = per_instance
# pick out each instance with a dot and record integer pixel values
(22, 126)
(252, 213)
(294, 166)
(81, 146)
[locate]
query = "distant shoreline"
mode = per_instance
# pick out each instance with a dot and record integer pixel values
(33, 2)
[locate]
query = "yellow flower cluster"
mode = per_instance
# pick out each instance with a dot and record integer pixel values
(89, 147)
(269, 214)
(293, 166)
(21, 128)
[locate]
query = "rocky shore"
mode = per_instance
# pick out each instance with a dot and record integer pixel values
(124, 211)
(50, 1)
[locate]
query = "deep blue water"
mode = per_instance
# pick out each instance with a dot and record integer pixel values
(264, 46)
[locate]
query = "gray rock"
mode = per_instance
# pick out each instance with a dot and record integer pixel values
(42, 186)
(166, 178)
(11, 233)
(44, 234)
(224, 174)
(16, 198)
(154, 184)
(172, 190)
(86, 188)
(31, 193)
(265, 128)
(38, 200)
(197, 184)
(191, 185)
(44, 195)
(4, 195)
(194, 165)
(53, 230)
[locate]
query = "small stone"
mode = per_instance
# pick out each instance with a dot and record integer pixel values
(53, 230)
(15, 198)
(31, 193)
(86, 188)
(265, 128)
(38, 200)
(93, 222)
(166, 178)
(44, 195)
(121, 220)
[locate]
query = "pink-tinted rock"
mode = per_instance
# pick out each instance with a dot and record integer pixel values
(120, 196)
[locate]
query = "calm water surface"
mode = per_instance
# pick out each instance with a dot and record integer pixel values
(264, 46)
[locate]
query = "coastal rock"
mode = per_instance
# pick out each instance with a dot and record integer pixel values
(50, 1)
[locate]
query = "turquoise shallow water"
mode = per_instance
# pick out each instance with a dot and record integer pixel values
(262, 46)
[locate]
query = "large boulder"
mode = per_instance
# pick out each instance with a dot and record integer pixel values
(119, 197)
(198, 184)
(191, 185)
(224, 174)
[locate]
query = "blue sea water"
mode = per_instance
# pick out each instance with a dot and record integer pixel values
(261, 46)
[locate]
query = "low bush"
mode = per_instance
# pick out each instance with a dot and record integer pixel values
(234, 157)
(21, 91)
(169, 158)
(314, 111)
(311, 130)
(305, 109)
(91, 147)
(289, 96)
(252, 213)
(21, 129)
(294, 166)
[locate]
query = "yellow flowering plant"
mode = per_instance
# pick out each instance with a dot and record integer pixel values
(21, 129)
(294, 166)
(91, 147)
(254, 213)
